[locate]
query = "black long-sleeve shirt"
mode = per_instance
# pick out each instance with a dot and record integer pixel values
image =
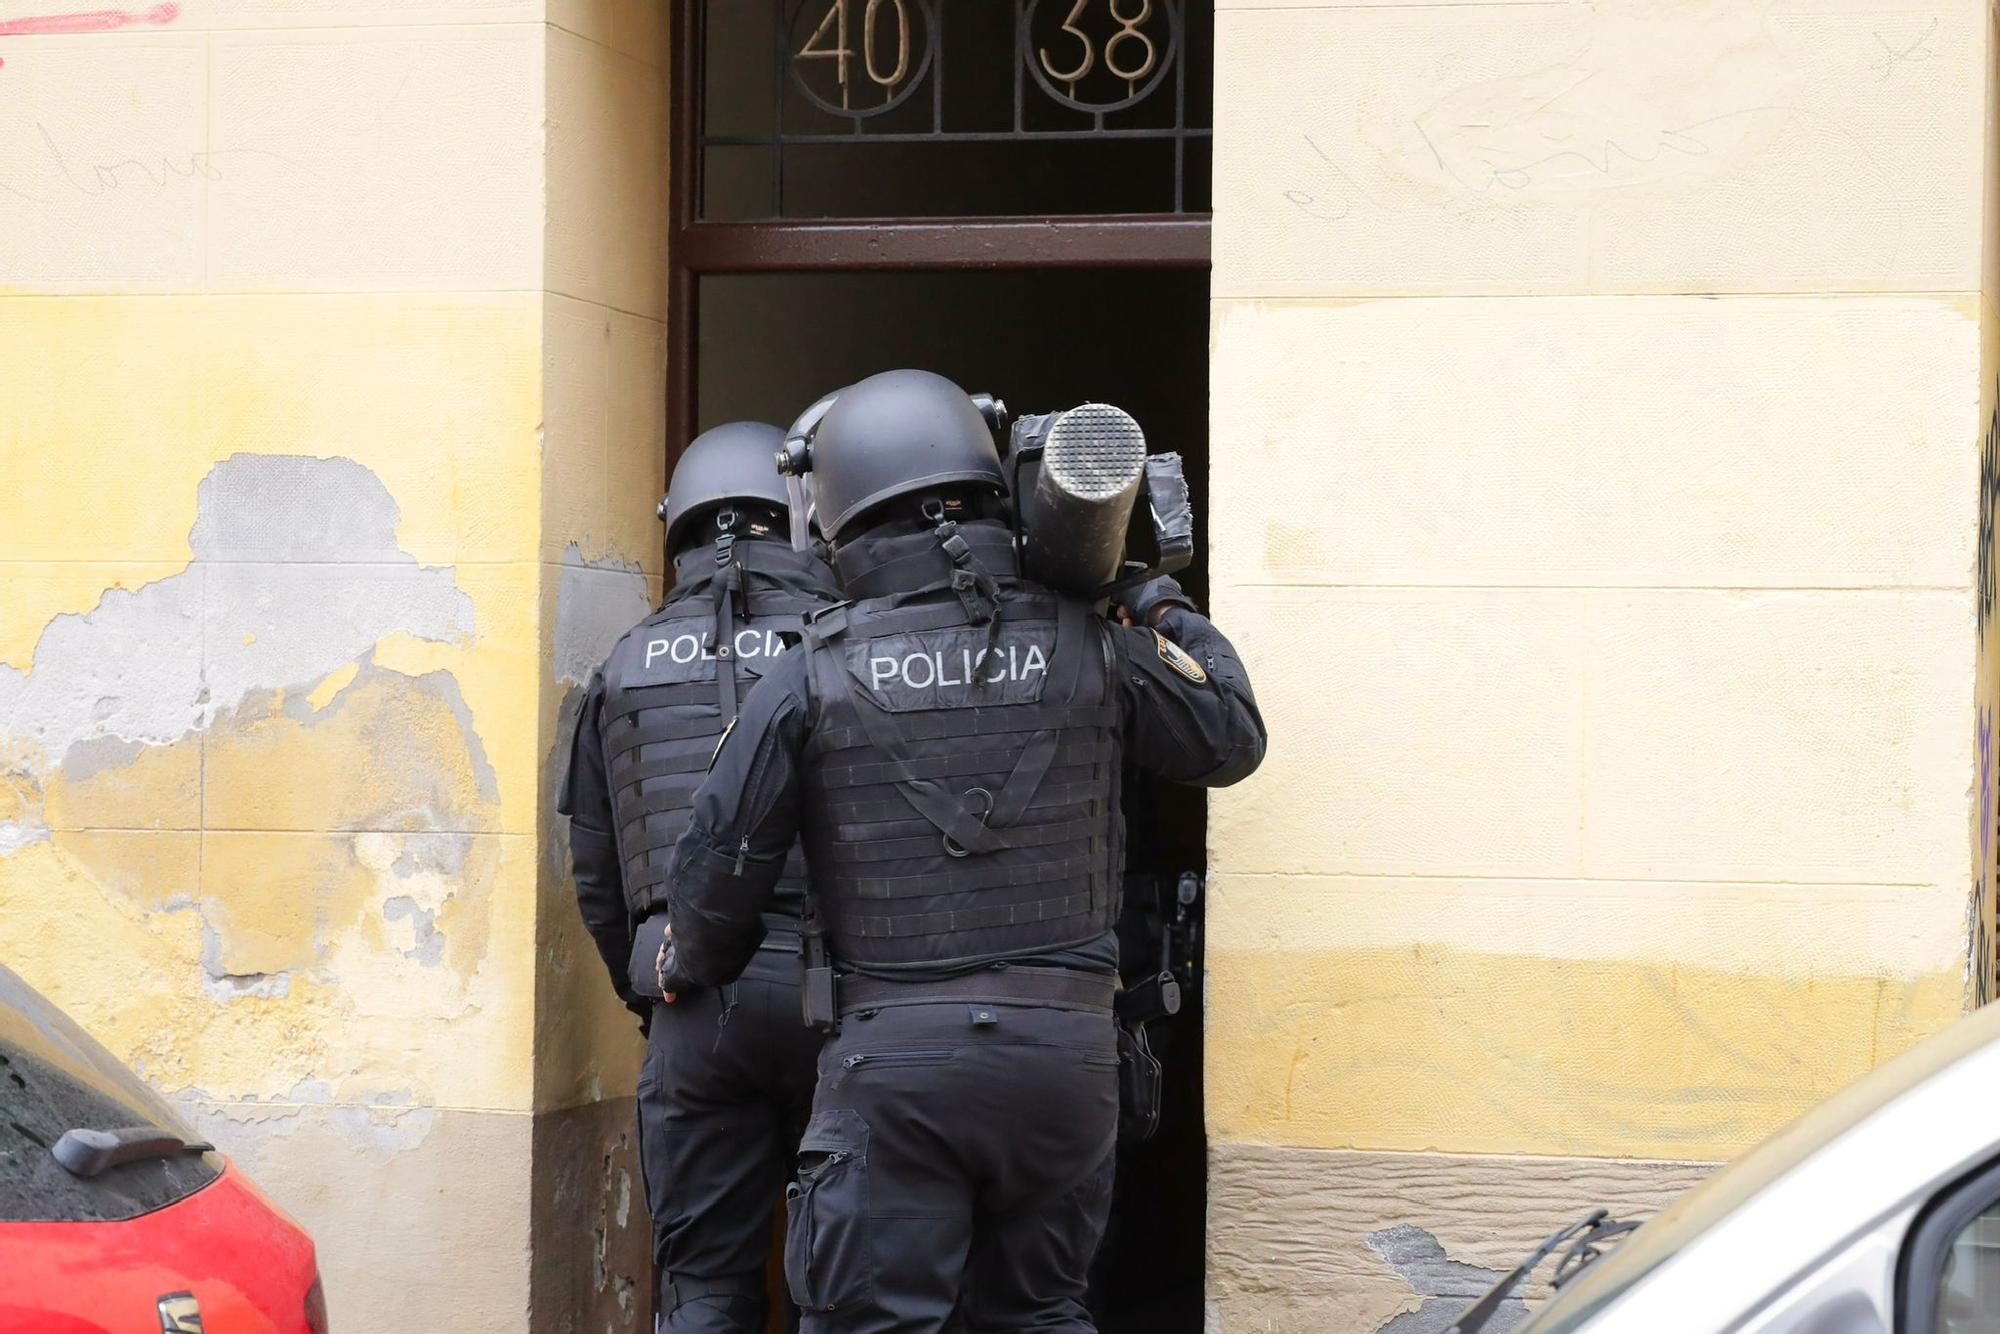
(600, 881)
(1206, 732)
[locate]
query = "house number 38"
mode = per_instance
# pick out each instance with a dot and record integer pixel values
(1120, 57)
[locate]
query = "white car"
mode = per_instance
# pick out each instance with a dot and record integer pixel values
(1877, 1211)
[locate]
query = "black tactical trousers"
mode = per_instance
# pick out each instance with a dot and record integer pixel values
(957, 1170)
(723, 1096)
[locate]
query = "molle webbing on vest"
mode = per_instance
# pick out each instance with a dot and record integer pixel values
(672, 687)
(974, 830)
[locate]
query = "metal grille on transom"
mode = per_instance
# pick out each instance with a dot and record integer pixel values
(954, 108)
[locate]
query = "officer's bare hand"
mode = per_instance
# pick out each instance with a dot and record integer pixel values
(660, 969)
(1123, 614)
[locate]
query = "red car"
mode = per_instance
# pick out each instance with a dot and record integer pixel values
(114, 1218)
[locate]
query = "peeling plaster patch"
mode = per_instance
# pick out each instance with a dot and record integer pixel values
(596, 602)
(225, 986)
(382, 1132)
(235, 986)
(290, 507)
(295, 573)
(432, 854)
(555, 770)
(623, 1284)
(87, 759)
(328, 690)
(1446, 1285)
(397, 750)
(429, 947)
(18, 834)
(310, 1089)
(21, 820)
(624, 1196)
(445, 686)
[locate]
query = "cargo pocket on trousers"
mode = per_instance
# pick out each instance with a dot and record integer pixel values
(827, 1261)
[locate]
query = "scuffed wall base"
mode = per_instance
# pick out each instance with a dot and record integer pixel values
(420, 1214)
(592, 1269)
(1326, 1239)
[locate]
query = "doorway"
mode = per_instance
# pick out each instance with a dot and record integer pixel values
(1012, 193)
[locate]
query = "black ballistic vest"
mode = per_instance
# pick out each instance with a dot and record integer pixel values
(672, 687)
(961, 789)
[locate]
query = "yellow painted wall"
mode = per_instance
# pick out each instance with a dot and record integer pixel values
(330, 347)
(1597, 398)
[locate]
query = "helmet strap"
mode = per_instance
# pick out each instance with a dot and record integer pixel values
(978, 592)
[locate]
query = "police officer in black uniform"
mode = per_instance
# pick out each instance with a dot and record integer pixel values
(950, 745)
(727, 1081)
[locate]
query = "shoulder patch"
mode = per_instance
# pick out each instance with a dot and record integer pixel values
(1177, 658)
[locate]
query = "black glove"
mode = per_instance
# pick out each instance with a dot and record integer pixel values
(1145, 601)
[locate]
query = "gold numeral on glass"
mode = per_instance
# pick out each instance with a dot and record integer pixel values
(836, 18)
(895, 76)
(833, 27)
(1128, 31)
(1089, 59)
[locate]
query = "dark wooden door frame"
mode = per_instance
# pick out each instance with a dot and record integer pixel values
(849, 245)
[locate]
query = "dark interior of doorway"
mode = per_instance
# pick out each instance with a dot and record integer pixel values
(768, 344)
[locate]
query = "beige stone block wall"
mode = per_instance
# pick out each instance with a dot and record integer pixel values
(330, 334)
(603, 471)
(1597, 393)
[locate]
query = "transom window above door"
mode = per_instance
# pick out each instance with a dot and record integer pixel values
(953, 108)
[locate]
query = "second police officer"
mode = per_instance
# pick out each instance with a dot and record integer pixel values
(728, 1075)
(950, 747)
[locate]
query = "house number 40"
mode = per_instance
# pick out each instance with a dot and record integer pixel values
(834, 27)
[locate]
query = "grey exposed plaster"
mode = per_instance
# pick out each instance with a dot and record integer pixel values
(1447, 1286)
(595, 603)
(216, 977)
(296, 572)
(386, 1125)
(18, 834)
(87, 759)
(429, 947)
(438, 854)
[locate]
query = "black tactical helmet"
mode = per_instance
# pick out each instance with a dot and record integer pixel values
(891, 435)
(734, 462)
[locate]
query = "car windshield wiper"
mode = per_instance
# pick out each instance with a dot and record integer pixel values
(88, 1153)
(1582, 1237)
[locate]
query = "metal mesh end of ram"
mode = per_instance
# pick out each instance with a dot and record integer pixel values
(1095, 452)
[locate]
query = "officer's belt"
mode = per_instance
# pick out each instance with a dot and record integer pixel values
(780, 939)
(1049, 988)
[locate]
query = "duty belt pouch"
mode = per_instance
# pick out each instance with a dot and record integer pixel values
(818, 1002)
(1139, 1085)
